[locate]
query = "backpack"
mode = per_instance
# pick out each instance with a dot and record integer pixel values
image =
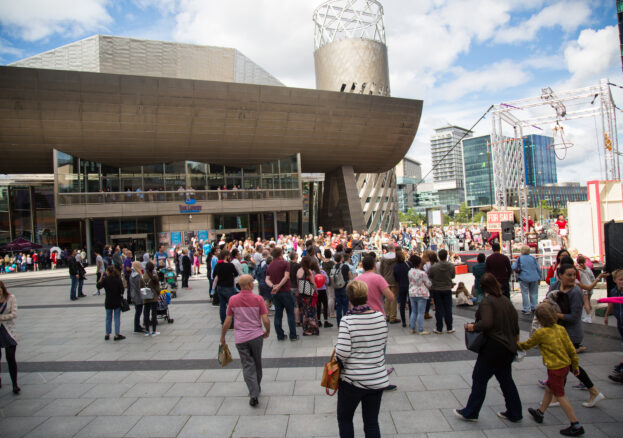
(336, 277)
(261, 273)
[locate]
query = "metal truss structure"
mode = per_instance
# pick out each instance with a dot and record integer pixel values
(508, 152)
(348, 19)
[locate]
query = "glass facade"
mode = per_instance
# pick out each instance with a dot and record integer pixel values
(479, 186)
(74, 175)
(540, 160)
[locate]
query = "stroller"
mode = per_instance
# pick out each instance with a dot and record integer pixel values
(162, 311)
(171, 282)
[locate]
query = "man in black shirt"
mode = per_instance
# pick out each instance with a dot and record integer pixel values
(224, 280)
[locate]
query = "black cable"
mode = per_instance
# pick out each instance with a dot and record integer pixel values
(456, 144)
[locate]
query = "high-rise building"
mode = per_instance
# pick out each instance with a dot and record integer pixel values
(447, 157)
(540, 160)
(408, 175)
(479, 188)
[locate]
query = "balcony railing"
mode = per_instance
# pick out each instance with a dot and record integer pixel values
(175, 196)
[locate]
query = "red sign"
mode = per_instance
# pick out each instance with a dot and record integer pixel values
(495, 219)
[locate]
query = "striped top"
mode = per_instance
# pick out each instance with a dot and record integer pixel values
(361, 348)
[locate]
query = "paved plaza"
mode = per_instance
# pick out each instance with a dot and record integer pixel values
(76, 384)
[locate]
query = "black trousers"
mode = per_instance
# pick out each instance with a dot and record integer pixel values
(583, 377)
(10, 358)
(443, 308)
(348, 398)
(147, 309)
(322, 303)
(403, 301)
(185, 276)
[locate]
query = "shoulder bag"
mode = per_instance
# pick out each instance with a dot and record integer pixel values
(305, 287)
(125, 306)
(474, 341)
(331, 375)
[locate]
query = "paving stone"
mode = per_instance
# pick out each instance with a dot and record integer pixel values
(590, 431)
(108, 376)
(228, 389)
(444, 382)
(181, 376)
(433, 399)
(148, 390)
(69, 390)
(240, 406)
(431, 420)
(265, 426)
(204, 406)
(159, 426)
(108, 406)
(102, 390)
(65, 407)
(524, 432)
(16, 427)
(188, 389)
(277, 388)
(321, 425)
(207, 426)
(25, 407)
(458, 434)
(59, 427)
(108, 427)
(152, 406)
(290, 405)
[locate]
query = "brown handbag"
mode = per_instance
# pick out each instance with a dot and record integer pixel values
(331, 375)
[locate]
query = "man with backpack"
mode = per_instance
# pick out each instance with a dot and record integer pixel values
(339, 276)
(278, 279)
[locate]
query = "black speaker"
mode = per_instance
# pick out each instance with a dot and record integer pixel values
(508, 230)
(613, 246)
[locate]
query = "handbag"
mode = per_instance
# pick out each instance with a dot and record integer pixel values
(125, 306)
(518, 268)
(474, 341)
(305, 287)
(224, 355)
(331, 375)
(147, 293)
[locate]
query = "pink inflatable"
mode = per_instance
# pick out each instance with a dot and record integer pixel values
(615, 300)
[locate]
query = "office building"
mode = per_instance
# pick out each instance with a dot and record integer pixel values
(447, 158)
(479, 187)
(540, 160)
(408, 175)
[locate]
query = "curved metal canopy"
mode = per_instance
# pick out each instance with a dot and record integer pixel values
(125, 120)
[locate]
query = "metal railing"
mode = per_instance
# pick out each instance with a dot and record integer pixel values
(66, 199)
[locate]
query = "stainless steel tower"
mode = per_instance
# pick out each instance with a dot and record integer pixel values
(350, 56)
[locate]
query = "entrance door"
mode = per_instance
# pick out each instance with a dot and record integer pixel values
(137, 243)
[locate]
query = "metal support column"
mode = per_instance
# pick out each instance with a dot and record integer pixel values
(87, 223)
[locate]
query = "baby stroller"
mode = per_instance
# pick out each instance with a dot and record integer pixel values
(162, 311)
(171, 282)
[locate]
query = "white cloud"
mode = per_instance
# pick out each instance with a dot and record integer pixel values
(593, 55)
(32, 20)
(569, 15)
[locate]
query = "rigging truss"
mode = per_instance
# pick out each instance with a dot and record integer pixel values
(547, 109)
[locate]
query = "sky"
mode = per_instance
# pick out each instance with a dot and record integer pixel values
(458, 56)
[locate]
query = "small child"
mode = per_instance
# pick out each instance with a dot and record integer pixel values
(558, 354)
(463, 297)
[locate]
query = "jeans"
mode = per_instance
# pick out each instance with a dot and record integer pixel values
(251, 362)
(418, 306)
(443, 308)
(224, 294)
(109, 315)
(348, 398)
(483, 371)
(529, 294)
(341, 303)
(138, 309)
(10, 359)
(284, 300)
(74, 284)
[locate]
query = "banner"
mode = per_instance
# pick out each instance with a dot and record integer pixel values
(176, 238)
(495, 219)
(202, 235)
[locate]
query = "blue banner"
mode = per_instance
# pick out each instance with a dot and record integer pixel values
(176, 238)
(202, 235)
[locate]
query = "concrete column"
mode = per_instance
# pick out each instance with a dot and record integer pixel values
(275, 222)
(210, 221)
(87, 230)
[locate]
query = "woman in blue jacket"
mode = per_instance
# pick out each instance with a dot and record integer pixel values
(529, 278)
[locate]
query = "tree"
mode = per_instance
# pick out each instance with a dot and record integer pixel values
(411, 216)
(464, 214)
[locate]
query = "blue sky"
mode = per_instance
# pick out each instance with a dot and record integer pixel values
(459, 56)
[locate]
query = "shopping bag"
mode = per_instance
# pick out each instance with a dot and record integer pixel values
(331, 375)
(224, 355)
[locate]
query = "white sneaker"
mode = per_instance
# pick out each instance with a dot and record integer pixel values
(155, 333)
(272, 308)
(588, 319)
(146, 333)
(589, 404)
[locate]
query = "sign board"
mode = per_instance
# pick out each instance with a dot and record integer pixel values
(190, 208)
(164, 239)
(434, 217)
(176, 238)
(202, 235)
(495, 219)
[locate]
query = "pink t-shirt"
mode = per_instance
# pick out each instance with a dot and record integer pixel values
(247, 310)
(376, 283)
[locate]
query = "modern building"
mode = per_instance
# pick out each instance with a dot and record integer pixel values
(408, 175)
(479, 186)
(147, 142)
(350, 56)
(448, 167)
(539, 160)
(556, 195)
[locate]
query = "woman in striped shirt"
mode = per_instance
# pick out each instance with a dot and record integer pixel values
(361, 351)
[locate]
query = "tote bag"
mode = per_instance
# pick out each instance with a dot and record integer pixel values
(331, 375)
(474, 341)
